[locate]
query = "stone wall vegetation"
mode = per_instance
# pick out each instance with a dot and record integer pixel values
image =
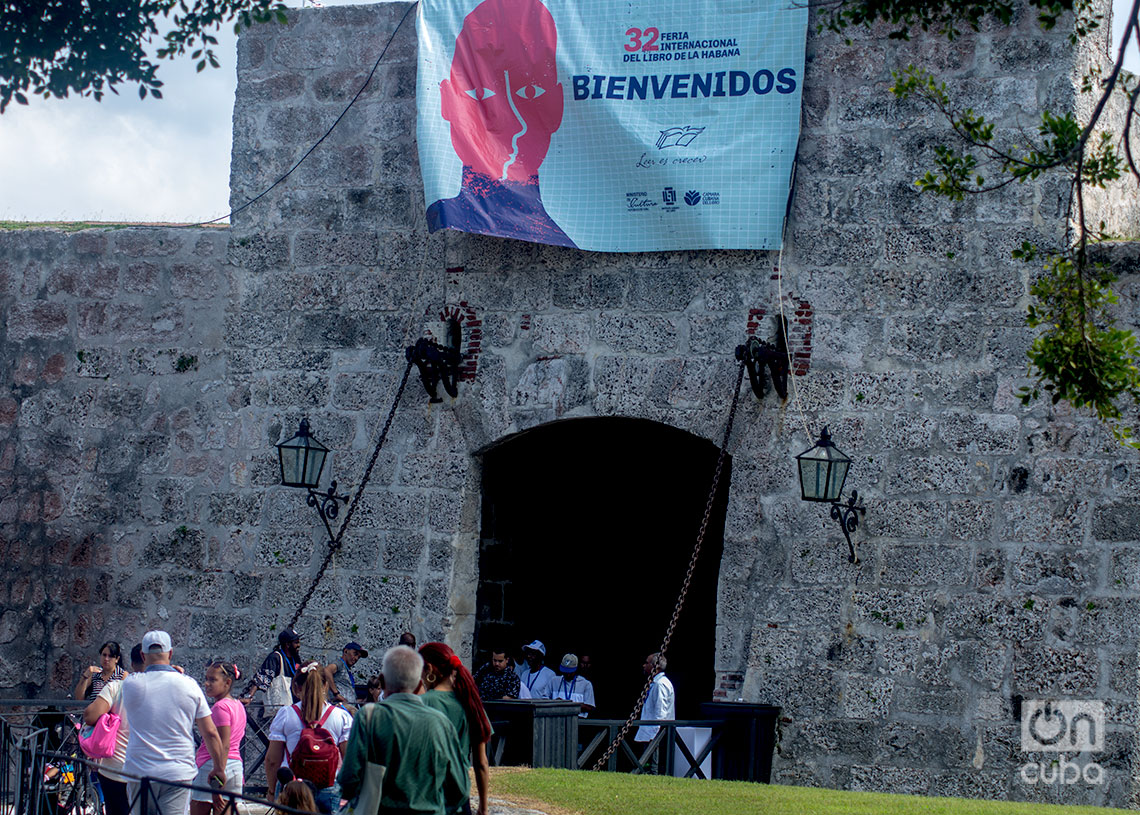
(149, 371)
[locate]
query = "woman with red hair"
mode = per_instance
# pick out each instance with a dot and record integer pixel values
(452, 691)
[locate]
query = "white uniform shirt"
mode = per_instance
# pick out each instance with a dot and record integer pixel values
(658, 707)
(287, 727)
(108, 766)
(162, 706)
(579, 689)
(540, 683)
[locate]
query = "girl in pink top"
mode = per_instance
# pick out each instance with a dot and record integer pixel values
(229, 717)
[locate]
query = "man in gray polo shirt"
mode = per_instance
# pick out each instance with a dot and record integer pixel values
(162, 706)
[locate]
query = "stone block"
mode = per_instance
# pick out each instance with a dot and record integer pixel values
(1117, 522)
(37, 320)
(336, 249)
(285, 549)
(980, 433)
(907, 519)
(1055, 570)
(89, 281)
(1045, 520)
(645, 333)
(182, 547)
(662, 290)
(588, 291)
(435, 468)
(257, 253)
(403, 551)
(970, 519)
(945, 701)
(235, 509)
(1101, 621)
(944, 475)
(147, 242)
(899, 780)
(392, 510)
(867, 697)
(1046, 670)
(995, 619)
(924, 565)
(560, 334)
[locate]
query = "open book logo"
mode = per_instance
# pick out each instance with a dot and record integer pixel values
(678, 136)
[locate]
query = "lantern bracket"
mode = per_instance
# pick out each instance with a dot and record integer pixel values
(327, 505)
(758, 354)
(848, 517)
(439, 363)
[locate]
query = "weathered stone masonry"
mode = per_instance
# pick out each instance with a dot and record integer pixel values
(148, 373)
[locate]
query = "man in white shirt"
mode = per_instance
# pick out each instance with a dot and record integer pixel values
(162, 706)
(536, 678)
(659, 707)
(573, 687)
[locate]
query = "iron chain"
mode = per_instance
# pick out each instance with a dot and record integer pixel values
(335, 543)
(721, 456)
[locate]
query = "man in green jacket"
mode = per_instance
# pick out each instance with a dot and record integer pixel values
(417, 746)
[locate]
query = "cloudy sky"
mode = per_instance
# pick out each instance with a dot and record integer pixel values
(125, 159)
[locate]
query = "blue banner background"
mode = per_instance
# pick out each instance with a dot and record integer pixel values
(707, 165)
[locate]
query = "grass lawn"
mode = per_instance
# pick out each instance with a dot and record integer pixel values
(561, 792)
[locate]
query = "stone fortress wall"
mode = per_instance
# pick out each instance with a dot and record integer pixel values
(150, 372)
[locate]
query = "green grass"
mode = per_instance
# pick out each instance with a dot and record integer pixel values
(65, 226)
(564, 791)
(76, 226)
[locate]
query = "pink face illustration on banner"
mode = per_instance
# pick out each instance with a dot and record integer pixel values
(503, 99)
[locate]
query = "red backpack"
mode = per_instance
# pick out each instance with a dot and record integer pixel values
(316, 757)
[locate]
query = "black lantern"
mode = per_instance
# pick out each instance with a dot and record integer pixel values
(823, 472)
(302, 459)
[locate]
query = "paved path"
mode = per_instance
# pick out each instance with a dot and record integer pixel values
(500, 807)
(497, 807)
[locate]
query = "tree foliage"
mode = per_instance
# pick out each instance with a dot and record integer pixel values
(1080, 354)
(88, 47)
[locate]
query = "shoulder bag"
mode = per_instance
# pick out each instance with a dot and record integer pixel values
(367, 800)
(279, 692)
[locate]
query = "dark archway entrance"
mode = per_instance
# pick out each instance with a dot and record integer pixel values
(587, 529)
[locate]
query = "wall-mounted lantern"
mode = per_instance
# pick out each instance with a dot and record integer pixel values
(302, 460)
(823, 472)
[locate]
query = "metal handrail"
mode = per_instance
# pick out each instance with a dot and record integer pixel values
(667, 733)
(15, 724)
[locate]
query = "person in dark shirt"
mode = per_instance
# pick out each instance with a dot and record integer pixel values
(496, 680)
(285, 658)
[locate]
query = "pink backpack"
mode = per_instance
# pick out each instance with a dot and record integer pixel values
(98, 740)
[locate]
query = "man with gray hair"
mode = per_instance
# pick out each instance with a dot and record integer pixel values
(417, 746)
(659, 707)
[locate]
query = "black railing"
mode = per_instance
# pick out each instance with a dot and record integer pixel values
(665, 741)
(739, 744)
(22, 737)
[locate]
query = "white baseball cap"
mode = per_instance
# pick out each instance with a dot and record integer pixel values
(156, 641)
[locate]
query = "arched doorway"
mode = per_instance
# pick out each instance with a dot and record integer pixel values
(587, 528)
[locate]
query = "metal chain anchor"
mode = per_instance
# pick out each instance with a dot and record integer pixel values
(721, 456)
(334, 544)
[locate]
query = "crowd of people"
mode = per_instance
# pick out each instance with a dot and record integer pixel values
(421, 719)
